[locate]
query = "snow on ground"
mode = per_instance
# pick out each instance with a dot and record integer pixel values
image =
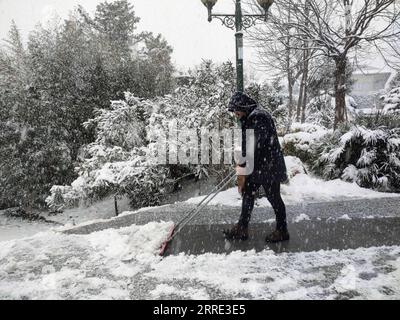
(103, 209)
(123, 264)
(303, 188)
(14, 228)
(52, 265)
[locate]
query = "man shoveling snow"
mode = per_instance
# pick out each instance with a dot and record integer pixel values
(267, 167)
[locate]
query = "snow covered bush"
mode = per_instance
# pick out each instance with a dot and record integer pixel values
(391, 101)
(127, 135)
(31, 161)
(301, 139)
(370, 158)
(117, 161)
(123, 124)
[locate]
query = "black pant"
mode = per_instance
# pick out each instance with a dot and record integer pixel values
(273, 192)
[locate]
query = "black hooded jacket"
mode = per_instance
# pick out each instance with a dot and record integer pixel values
(269, 163)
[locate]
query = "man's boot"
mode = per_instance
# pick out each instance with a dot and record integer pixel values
(278, 236)
(238, 232)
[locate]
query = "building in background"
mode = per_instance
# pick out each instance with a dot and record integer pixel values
(369, 85)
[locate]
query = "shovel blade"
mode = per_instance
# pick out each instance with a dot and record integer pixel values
(164, 245)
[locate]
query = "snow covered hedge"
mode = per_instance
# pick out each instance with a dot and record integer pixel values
(392, 101)
(368, 157)
(301, 140)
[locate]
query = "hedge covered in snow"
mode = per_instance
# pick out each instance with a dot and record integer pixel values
(392, 101)
(369, 157)
(301, 140)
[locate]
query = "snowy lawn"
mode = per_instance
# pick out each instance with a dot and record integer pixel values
(303, 188)
(123, 264)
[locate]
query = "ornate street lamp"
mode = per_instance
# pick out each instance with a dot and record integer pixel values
(265, 4)
(209, 4)
(239, 22)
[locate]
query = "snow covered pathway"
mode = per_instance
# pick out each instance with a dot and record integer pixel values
(123, 264)
(117, 259)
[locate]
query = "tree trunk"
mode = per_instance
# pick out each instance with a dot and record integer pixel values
(340, 91)
(289, 77)
(305, 86)
(300, 100)
(304, 104)
(290, 88)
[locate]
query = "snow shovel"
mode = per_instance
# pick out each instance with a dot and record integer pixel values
(176, 228)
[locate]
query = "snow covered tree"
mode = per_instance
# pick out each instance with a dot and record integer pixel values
(276, 55)
(117, 162)
(272, 98)
(120, 160)
(50, 88)
(154, 68)
(202, 104)
(135, 62)
(320, 110)
(32, 156)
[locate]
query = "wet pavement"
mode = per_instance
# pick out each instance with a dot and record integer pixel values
(305, 236)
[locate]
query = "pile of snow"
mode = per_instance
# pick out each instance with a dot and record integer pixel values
(294, 166)
(123, 264)
(52, 265)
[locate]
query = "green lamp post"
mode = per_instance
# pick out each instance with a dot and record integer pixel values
(238, 22)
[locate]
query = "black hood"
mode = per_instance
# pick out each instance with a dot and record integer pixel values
(241, 102)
